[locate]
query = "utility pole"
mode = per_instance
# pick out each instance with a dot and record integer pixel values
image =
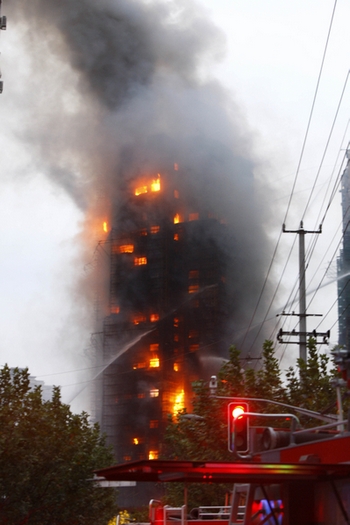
(303, 334)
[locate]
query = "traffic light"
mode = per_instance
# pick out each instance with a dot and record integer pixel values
(238, 427)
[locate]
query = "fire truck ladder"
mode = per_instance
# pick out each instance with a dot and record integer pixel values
(246, 511)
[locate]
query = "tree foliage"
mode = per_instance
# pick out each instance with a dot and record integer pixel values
(204, 438)
(47, 459)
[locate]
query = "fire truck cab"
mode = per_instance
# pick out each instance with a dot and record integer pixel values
(299, 484)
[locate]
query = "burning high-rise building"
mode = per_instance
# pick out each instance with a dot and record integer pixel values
(123, 90)
(169, 309)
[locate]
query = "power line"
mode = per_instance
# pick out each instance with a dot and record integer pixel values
(311, 112)
(295, 179)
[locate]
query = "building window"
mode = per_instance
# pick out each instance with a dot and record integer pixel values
(154, 347)
(127, 458)
(141, 364)
(176, 367)
(154, 362)
(193, 274)
(192, 334)
(194, 348)
(139, 318)
(141, 395)
(176, 337)
(155, 229)
(153, 423)
(154, 392)
(115, 309)
(193, 217)
(153, 454)
(176, 322)
(176, 194)
(155, 184)
(126, 248)
(176, 218)
(154, 318)
(139, 261)
(140, 190)
(193, 288)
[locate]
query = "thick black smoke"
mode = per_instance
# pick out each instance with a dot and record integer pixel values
(121, 87)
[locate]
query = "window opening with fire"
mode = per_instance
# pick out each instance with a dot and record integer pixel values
(139, 261)
(152, 186)
(154, 362)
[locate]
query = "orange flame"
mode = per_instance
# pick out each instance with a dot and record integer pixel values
(126, 248)
(139, 261)
(153, 185)
(176, 218)
(154, 362)
(105, 226)
(140, 190)
(115, 309)
(139, 319)
(179, 403)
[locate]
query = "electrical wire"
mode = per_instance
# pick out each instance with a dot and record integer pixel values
(296, 175)
(311, 113)
(332, 196)
(327, 143)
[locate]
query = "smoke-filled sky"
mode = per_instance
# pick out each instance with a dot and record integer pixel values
(94, 91)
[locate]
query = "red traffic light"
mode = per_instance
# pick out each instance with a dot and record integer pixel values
(238, 427)
(237, 411)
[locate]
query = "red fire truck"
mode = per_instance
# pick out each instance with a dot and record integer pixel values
(290, 477)
(298, 484)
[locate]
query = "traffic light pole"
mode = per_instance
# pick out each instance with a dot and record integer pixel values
(303, 411)
(302, 288)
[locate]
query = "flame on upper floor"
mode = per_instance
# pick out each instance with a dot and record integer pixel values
(150, 187)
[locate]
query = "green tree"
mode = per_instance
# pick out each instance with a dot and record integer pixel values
(310, 384)
(47, 459)
(204, 437)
